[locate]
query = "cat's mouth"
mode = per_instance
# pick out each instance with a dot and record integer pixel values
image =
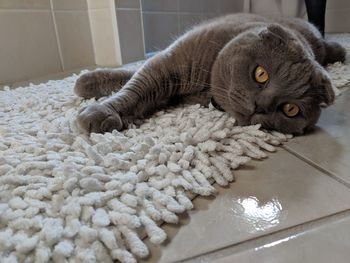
(216, 105)
(259, 118)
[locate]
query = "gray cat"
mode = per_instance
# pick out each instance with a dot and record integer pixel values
(259, 70)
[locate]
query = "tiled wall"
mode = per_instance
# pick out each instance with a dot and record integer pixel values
(43, 37)
(25, 52)
(146, 26)
(290, 8)
(338, 16)
(164, 20)
(104, 32)
(337, 12)
(130, 30)
(73, 33)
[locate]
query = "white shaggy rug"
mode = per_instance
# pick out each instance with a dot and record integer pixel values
(68, 197)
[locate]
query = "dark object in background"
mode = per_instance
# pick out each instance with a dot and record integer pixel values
(316, 11)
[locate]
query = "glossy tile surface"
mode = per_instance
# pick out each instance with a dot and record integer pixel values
(269, 195)
(326, 243)
(329, 146)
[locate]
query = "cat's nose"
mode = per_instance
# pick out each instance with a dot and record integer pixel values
(265, 105)
(259, 109)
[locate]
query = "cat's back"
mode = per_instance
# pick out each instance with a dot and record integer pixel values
(241, 21)
(231, 23)
(205, 40)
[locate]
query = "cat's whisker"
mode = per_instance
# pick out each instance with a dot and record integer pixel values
(194, 67)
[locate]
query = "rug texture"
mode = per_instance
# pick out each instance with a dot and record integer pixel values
(65, 196)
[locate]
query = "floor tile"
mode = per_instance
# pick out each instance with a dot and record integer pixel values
(268, 195)
(326, 243)
(329, 146)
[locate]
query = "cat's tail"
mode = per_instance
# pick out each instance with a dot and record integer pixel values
(334, 52)
(100, 83)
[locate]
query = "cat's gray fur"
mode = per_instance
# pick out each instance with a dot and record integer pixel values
(216, 60)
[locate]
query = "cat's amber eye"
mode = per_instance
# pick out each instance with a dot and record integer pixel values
(261, 75)
(291, 109)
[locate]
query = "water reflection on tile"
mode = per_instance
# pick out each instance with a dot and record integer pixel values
(269, 195)
(258, 216)
(277, 242)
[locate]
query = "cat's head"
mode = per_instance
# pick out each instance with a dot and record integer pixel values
(270, 76)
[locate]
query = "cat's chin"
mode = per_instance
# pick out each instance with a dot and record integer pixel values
(266, 123)
(242, 120)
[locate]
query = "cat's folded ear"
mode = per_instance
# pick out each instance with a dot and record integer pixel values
(275, 35)
(324, 89)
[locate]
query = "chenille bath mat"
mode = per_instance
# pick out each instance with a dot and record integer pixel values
(65, 196)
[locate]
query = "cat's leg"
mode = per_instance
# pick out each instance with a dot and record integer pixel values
(153, 86)
(100, 83)
(334, 52)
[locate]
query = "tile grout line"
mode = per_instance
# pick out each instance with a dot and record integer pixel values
(316, 166)
(59, 48)
(142, 30)
(277, 237)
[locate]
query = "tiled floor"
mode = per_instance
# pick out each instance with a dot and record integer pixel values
(292, 207)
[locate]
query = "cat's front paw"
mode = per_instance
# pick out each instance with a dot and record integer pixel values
(98, 118)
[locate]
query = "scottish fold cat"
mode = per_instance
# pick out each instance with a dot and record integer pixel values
(257, 69)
